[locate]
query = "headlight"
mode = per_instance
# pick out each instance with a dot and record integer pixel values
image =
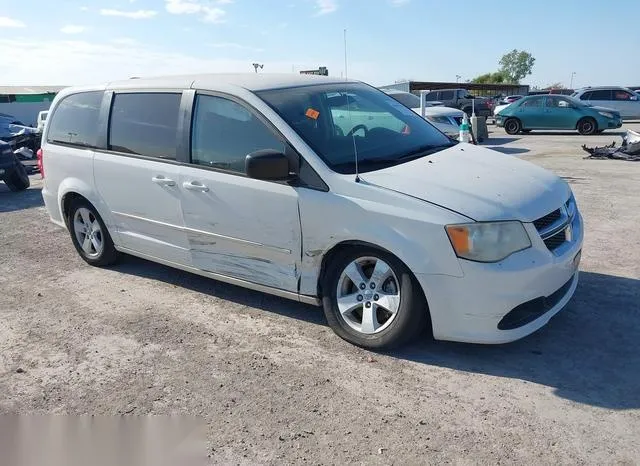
(488, 242)
(606, 114)
(571, 206)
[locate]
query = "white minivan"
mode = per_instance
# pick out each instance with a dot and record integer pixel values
(263, 181)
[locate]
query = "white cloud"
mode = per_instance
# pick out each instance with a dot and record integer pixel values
(76, 62)
(139, 14)
(399, 2)
(84, 8)
(124, 41)
(324, 7)
(73, 29)
(209, 14)
(233, 45)
(6, 22)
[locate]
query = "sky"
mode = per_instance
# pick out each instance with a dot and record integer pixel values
(74, 42)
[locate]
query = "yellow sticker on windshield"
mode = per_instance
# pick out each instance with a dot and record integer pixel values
(313, 114)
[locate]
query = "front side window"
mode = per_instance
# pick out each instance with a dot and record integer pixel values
(340, 121)
(145, 124)
(622, 95)
(75, 120)
(446, 95)
(224, 133)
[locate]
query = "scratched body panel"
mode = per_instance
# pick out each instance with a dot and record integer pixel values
(243, 228)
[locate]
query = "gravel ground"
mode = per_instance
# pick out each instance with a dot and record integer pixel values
(275, 385)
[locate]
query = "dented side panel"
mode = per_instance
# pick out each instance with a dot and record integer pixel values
(243, 228)
(397, 225)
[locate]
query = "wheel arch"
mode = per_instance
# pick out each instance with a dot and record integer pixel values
(587, 117)
(337, 248)
(341, 246)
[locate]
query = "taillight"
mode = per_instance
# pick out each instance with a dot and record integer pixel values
(39, 154)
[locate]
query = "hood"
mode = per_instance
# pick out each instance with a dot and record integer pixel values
(479, 183)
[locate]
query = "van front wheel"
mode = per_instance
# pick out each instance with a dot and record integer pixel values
(372, 300)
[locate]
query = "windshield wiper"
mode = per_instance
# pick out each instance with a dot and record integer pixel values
(423, 151)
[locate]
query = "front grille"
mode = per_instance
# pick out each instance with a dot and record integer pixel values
(549, 219)
(555, 241)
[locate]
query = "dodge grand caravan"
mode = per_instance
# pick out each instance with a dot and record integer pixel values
(316, 189)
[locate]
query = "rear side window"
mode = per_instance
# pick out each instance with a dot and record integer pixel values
(145, 124)
(446, 95)
(224, 133)
(75, 120)
(602, 94)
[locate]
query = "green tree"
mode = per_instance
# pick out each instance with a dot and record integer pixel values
(490, 78)
(516, 65)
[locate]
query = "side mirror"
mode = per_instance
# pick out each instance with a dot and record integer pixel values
(267, 164)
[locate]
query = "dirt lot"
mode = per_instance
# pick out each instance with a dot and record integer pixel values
(275, 385)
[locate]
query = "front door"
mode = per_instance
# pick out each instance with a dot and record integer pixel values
(560, 113)
(531, 113)
(137, 176)
(237, 226)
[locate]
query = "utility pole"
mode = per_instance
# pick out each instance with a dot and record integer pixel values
(573, 73)
(458, 78)
(257, 65)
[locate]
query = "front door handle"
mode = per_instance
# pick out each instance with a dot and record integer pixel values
(194, 186)
(163, 181)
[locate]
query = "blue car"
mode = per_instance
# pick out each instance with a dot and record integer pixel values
(556, 112)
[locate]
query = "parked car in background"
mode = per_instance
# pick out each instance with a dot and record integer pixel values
(622, 99)
(262, 181)
(446, 119)
(460, 99)
(556, 112)
(12, 172)
(408, 99)
(510, 99)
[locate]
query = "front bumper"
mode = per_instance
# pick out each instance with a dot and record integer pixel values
(470, 308)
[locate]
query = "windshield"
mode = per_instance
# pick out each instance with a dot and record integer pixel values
(407, 99)
(338, 120)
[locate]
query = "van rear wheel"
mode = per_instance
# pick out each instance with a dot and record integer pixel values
(372, 300)
(89, 235)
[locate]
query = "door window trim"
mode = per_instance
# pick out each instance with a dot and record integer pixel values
(315, 182)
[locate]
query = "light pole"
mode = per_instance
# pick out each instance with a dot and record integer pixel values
(573, 73)
(458, 78)
(257, 65)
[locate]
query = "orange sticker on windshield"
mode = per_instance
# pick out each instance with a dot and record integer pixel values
(313, 114)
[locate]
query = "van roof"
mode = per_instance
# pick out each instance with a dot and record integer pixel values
(249, 81)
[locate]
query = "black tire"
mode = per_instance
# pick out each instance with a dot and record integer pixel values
(109, 255)
(19, 179)
(412, 315)
(587, 126)
(512, 126)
